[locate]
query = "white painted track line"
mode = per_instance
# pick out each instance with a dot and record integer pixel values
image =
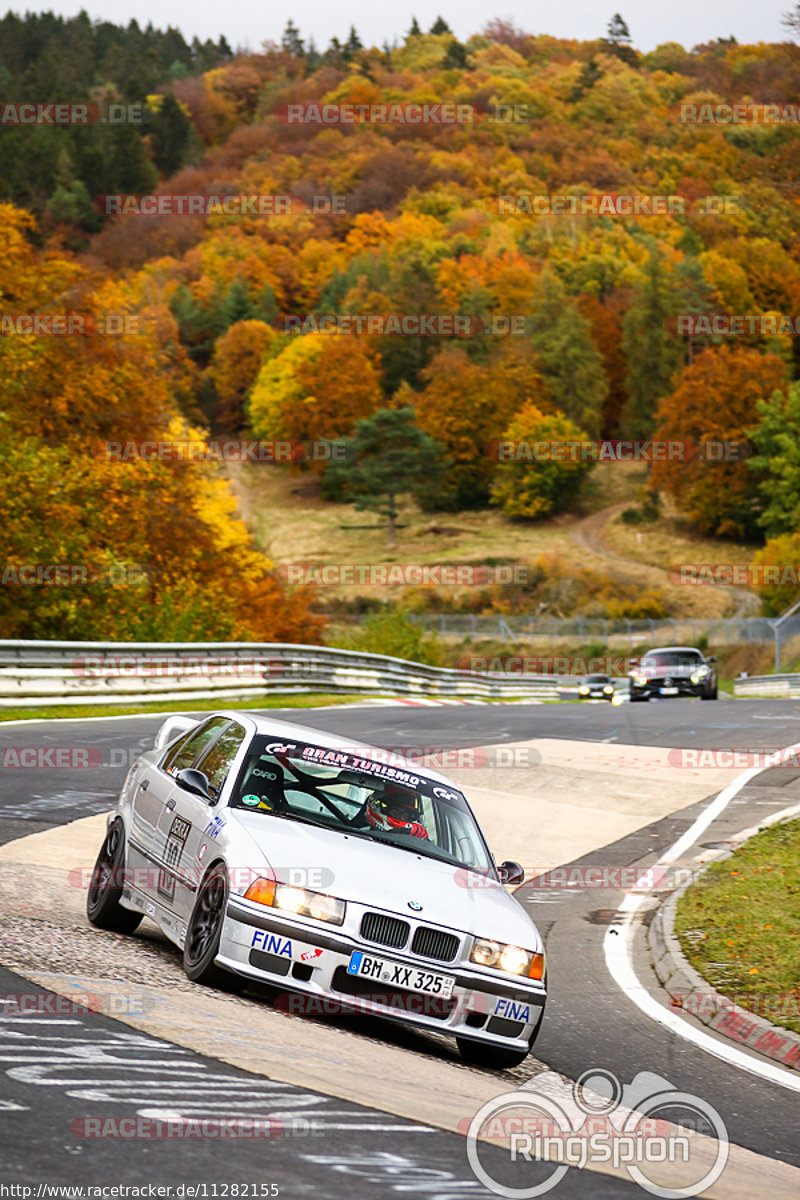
(618, 947)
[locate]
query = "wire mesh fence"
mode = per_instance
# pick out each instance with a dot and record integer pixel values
(585, 630)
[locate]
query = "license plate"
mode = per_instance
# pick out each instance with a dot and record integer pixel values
(669, 691)
(411, 979)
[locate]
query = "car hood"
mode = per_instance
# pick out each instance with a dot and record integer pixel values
(390, 879)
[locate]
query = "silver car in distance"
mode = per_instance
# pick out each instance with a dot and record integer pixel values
(341, 875)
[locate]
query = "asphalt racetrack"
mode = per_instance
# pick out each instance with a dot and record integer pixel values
(355, 1105)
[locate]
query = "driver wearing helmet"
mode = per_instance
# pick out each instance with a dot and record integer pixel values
(396, 808)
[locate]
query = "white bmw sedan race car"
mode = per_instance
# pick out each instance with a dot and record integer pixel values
(341, 875)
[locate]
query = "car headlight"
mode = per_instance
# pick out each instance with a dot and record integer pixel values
(503, 957)
(583, 691)
(608, 689)
(297, 900)
(699, 674)
(639, 680)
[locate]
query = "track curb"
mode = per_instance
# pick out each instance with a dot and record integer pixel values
(690, 991)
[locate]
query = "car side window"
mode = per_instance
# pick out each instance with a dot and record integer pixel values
(193, 743)
(217, 761)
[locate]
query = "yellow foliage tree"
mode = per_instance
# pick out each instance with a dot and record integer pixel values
(318, 387)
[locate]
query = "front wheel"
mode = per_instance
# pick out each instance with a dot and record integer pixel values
(204, 931)
(711, 695)
(103, 906)
(479, 1054)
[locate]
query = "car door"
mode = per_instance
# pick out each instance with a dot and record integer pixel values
(154, 791)
(190, 825)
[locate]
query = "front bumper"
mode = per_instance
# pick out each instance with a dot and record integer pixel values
(309, 960)
(678, 687)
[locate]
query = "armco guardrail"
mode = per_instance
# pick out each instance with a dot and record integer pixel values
(767, 685)
(48, 673)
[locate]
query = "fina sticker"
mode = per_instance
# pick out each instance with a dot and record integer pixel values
(251, 800)
(214, 828)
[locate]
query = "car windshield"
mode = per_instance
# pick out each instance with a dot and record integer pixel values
(596, 679)
(384, 801)
(671, 658)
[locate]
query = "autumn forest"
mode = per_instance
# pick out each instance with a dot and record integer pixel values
(510, 241)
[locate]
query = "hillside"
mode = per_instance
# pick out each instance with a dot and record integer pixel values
(516, 241)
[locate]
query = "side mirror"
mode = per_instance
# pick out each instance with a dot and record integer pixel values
(195, 782)
(511, 872)
(711, 659)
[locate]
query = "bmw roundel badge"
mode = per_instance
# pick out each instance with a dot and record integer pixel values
(412, 904)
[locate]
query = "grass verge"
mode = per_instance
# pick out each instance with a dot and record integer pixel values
(70, 711)
(739, 925)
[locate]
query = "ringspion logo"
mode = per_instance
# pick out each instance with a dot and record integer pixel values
(598, 1120)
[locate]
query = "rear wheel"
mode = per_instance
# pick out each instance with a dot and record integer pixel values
(479, 1054)
(204, 931)
(103, 906)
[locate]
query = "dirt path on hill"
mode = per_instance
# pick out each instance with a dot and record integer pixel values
(589, 533)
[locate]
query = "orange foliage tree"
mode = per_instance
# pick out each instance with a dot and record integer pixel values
(236, 362)
(714, 404)
(467, 406)
(150, 543)
(317, 387)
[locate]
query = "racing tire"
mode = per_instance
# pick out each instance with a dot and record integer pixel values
(103, 906)
(479, 1054)
(203, 933)
(711, 695)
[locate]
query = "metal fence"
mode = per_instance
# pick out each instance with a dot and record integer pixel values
(585, 630)
(52, 673)
(767, 685)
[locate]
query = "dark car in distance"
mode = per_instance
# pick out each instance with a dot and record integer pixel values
(673, 671)
(595, 687)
